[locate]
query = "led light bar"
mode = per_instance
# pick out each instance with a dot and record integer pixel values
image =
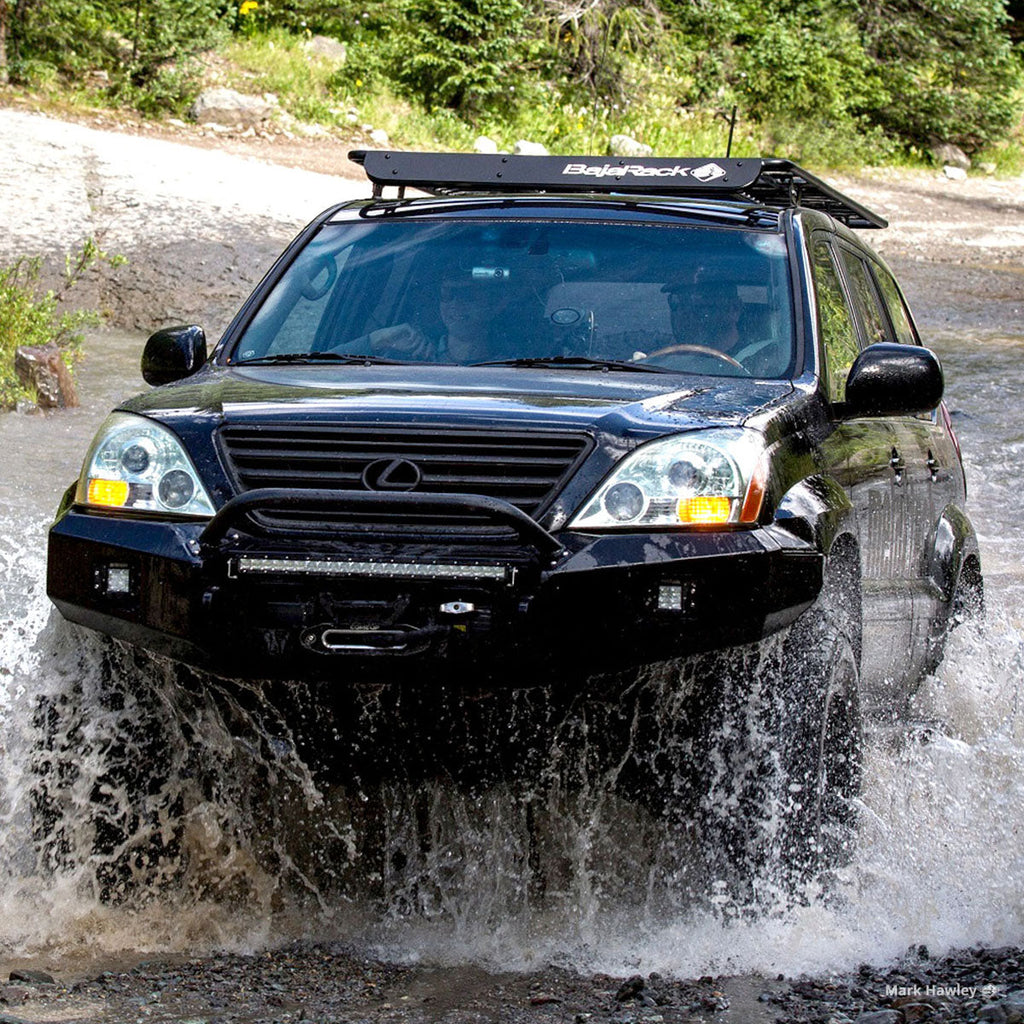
(381, 570)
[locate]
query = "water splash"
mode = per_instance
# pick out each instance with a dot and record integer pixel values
(147, 807)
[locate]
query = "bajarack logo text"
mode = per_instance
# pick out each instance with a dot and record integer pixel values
(703, 174)
(956, 991)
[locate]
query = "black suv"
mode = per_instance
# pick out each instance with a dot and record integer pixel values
(553, 413)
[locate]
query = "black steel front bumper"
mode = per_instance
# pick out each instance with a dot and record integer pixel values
(224, 596)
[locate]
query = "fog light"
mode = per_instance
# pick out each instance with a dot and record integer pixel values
(670, 597)
(113, 579)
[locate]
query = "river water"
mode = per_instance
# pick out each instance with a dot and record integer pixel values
(231, 837)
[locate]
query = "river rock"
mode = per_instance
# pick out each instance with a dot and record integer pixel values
(42, 367)
(328, 48)
(626, 145)
(227, 107)
(630, 988)
(524, 147)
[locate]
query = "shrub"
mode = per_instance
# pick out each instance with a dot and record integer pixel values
(31, 316)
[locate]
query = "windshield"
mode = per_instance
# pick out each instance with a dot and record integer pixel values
(712, 300)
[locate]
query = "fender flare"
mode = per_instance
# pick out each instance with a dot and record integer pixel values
(955, 544)
(817, 510)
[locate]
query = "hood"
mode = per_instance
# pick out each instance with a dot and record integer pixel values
(471, 396)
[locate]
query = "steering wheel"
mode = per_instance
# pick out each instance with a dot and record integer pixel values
(703, 350)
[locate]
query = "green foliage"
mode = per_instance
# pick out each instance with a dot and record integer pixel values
(31, 316)
(605, 44)
(828, 81)
(946, 69)
(909, 70)
(142, 45)
(461, 54)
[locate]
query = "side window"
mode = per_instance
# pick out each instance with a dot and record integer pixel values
(834, 321)
(865, 299)
(898, 314)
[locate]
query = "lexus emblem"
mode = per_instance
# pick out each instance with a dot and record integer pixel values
(392, 475)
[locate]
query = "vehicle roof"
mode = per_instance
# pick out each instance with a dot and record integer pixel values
(766, 183)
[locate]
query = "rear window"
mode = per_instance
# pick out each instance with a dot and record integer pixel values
(693, 299)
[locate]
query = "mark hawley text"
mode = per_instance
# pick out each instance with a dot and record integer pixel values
(956, 991)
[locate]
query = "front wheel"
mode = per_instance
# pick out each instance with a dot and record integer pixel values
(780, 750)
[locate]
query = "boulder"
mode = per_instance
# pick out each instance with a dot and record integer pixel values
(227, 107)
(626, 145)
(330, 49)
(379, 137)
(954, 173)
(948, 155)
(482, 144)
(42, 367)
(526, 148)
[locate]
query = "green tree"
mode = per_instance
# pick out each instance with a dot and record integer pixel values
(946, 69)
(463, 55)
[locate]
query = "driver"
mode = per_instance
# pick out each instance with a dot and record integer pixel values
(711, 321)
(706, 314)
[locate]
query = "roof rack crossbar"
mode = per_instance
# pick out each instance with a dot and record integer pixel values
(775, 183)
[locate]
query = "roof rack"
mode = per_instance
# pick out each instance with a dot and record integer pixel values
(768, 182)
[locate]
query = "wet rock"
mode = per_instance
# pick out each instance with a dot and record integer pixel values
(914, 1012)
(994, 1013)
(626, 145)
(42, 368)
(30, 977)
(1007, 1010)
(544, 999)
(714, 1002)
(630, 989)
(328, 48)
(227, 107)
(524, 147)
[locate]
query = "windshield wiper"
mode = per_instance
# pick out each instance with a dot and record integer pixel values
(320, 357)
(582, 362)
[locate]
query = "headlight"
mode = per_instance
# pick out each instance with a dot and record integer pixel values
(703, 478)
(137, 464)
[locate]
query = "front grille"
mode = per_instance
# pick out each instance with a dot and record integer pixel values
(524, 468)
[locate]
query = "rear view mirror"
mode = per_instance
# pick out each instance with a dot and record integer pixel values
(893, 380)
(173, 353)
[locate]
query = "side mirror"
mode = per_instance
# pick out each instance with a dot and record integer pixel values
(173, 353)
(893, 380)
